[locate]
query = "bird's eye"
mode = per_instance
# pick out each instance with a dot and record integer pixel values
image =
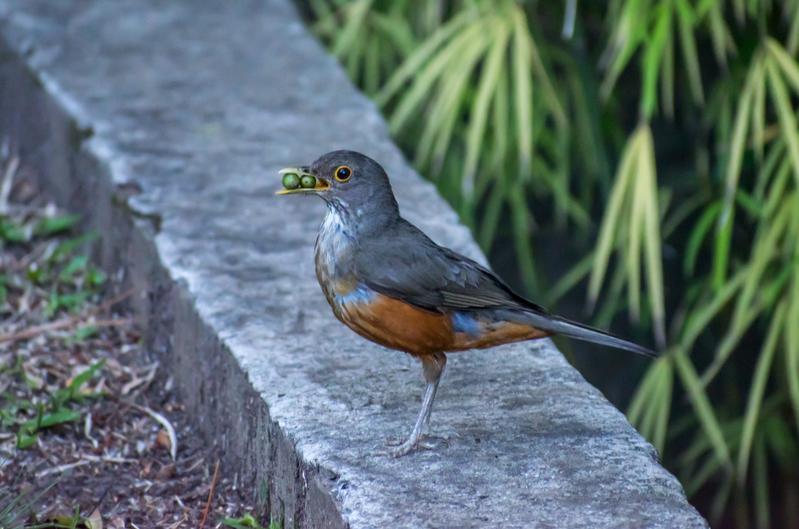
(342, 173)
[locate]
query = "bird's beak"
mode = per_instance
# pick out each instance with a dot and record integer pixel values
(319, 184)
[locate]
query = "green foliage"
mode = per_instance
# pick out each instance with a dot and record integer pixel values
(632, 221)
(56, 409)
(71, 278)
(248, 521)
(10, 232)
(55, 225)
(695, 103)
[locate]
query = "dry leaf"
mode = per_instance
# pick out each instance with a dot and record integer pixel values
(94, 521)
(162, 440)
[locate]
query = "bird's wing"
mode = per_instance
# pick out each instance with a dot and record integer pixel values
(405, 264)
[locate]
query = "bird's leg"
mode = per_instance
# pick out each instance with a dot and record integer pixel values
(433, 367)
(427, 390)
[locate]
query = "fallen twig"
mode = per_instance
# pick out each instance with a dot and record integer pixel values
(210, 495)
(87, 430)
(144, 382)
(163, 421)
(61, 468)
(64, 323)
(109, 459)
(107, 304)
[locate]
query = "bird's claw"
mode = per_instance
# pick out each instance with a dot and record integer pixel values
(401, 448)
(407, 447)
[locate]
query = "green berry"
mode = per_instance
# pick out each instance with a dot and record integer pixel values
(308, 181)
(291, 181)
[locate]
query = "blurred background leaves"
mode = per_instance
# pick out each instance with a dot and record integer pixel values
(645, 152)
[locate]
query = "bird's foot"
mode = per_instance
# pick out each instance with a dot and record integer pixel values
(406, 447)
(425, 442)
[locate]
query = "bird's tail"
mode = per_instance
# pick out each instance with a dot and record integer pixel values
(578, 331)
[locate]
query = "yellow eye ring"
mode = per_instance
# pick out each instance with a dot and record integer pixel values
(342, 173)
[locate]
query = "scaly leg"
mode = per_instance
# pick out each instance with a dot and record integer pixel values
(433, 367)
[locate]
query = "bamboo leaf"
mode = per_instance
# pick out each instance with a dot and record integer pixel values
(792, 346)
(326, 19)
(777, 189)
(491, 217)
(628, 33)
(682, 211)
(396, 31)
(649, 409)
(775, 157)
(702, 407)
(651, 412)
(413, 63)
(764, 362)
(570, 279)
(347, 37)
(786, 116)
(667, 77)
(741, 323)
(635, 234)
(719, 33)
(452, 97)
(699, 318)
(661, 427)
(700, 477)
(652, 240)
(444, 103)
(371, 70)
(462, 45)
(740, 11)
(553, 103)
(479, 114)
(685, 23)
(724, 229)
(643, 394)
(352, 58)
(524, 251)
(793, 34)
(652, 57)
(500, 115)
(612, 217)
(786, 63)
(759, 113)
(779, 437)
(438, 128)
(763, 252)
(523, 89)
(701, 228)
(613, 300)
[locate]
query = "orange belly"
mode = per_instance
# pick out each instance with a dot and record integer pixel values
(399, 325)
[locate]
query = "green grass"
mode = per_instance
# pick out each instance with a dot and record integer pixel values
(55, 409)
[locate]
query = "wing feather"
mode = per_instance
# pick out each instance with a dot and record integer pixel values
(404, 263)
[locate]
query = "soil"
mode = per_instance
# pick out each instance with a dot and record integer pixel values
(109, 459)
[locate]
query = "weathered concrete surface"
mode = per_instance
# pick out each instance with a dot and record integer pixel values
(166, 122)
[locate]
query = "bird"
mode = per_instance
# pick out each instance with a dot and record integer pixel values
(390, 283)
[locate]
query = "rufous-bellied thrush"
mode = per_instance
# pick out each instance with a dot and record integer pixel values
(390, 283)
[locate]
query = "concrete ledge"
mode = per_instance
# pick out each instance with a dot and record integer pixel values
(165, 122)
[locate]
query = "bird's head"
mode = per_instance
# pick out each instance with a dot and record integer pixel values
(345, 179)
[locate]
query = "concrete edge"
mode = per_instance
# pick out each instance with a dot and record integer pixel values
(63, 156)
